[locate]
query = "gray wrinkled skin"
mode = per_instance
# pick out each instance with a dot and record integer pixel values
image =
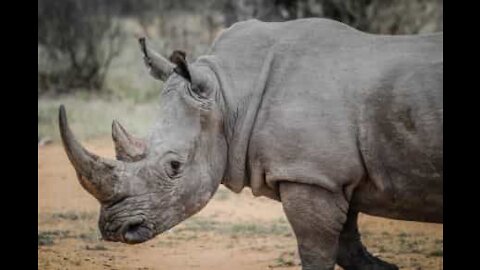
(327, 120)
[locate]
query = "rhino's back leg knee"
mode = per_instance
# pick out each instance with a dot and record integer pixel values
(352, 255)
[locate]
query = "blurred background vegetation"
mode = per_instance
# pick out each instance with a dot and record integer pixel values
(88, 57)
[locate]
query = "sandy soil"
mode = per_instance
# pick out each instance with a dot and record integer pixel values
(234, 231)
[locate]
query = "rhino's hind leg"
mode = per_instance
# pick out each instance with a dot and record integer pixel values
(317, 217)
(352, 255)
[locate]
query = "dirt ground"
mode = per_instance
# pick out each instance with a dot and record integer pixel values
(234, 231)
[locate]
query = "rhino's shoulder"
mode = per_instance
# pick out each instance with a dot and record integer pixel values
(250, 32)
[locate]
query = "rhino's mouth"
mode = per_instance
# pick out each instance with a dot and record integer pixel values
(135, 232)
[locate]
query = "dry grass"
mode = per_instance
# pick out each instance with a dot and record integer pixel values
(91, 117)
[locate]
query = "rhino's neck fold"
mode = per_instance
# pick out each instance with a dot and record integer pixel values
(240, 116)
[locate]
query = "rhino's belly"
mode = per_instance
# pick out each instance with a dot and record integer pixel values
(422, 203)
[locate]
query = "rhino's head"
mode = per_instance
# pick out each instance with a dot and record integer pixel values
(158, 182)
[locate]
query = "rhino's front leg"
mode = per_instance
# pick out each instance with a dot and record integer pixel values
(352, 255)
(317, 217)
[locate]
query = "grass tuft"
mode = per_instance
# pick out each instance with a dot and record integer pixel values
(46, 238)
(436, 253)
(96, 247)
(197, 224)
(72, 215)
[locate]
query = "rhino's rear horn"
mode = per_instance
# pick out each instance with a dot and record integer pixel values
(96, 174)
(159, 66)
(127, 147)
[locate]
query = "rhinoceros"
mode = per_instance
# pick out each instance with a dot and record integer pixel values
(325, 119)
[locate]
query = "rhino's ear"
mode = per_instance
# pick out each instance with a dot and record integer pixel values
(179, 59)
(160, 67)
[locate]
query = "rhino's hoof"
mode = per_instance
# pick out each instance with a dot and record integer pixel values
(379, 265)
(373, 263)
(365, 261)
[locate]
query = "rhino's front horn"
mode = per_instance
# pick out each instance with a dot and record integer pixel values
(160, 67)
(127, 147)
(96, 174)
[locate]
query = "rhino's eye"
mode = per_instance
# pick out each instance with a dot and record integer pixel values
(198, 90)
(175, 164)
(173, 168)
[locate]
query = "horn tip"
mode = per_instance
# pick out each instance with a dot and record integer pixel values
(115, 128)
(62, 115)
(116, 124)
(61, 109)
